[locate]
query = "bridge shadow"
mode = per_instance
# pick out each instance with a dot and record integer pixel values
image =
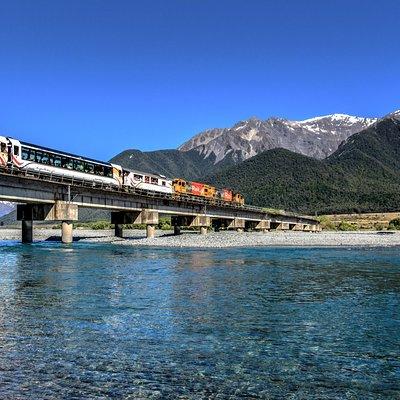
(161, 236)
(74, 239)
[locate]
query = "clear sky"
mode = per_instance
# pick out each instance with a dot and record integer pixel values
(96, 77)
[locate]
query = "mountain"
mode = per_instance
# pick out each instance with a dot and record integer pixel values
(6, 207)
(171, 163)
(363, 174)
(214, 149)
(316, 137)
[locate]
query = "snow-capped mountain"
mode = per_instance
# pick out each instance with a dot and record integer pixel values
(394, 114)
(315, 137)
(6, 207)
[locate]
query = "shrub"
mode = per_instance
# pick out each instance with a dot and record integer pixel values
(394, 224)
(347, 226)
(164, 224)
(100, 225)
(326, 223)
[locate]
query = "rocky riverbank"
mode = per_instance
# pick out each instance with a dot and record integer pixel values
(221, 239)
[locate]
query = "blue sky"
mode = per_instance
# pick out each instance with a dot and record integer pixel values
(96, 77)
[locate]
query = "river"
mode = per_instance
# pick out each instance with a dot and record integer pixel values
(107, 321)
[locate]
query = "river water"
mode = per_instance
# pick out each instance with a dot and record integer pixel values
(102, 321)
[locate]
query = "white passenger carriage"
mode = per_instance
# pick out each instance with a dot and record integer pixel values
(146, 181)
(37, 159)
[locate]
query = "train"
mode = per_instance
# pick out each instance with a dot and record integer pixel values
(38, 159)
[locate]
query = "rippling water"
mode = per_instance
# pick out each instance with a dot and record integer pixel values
(101, 321)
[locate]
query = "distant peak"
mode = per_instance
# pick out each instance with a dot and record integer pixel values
(394, 114)
(338, 117)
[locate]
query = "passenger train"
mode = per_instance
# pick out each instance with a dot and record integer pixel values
(37, 159)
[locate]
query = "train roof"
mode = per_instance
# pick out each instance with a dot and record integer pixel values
(64, 153)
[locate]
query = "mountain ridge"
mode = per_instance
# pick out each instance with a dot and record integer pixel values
(317, 137)
(171, 163)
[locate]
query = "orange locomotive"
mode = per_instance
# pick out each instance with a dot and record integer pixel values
(180, 186)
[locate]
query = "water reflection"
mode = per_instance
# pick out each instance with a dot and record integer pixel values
(102, 321)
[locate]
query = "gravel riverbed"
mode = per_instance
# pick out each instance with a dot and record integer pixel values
(220, 239)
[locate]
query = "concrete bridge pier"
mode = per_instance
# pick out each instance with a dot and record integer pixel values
(295, 227)
(194, 221)
(119, 218)
(263, 226)
(238, 224)
(25, 215)
(280, 226)
(147, 217)
(216, 224)
(62, 211)
(119, 230)
(203, 222)
(150, 231)
(67, 213)
(27, 231)
(150, 218)
(67, 232)
(203, 230)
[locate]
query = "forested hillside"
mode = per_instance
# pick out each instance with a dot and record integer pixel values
(171, 163)
(362, 175)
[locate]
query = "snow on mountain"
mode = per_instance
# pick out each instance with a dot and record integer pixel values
(394, 114)
(316, 137)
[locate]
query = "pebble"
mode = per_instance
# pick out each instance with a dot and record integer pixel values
(221, 239)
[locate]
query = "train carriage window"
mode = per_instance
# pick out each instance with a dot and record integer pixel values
(45, 158)
(39, 156)
(138, 177)
(108, 172)
(3, 147)
(57, 161)
(98, 170)
(78, 165)
(154, 181)
(163, 183)
(25, 153)
(32, 155)
(67, 163)
(16, 150)
(147, 179)
(89, 168)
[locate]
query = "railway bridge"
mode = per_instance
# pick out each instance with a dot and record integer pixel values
(44, 197)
